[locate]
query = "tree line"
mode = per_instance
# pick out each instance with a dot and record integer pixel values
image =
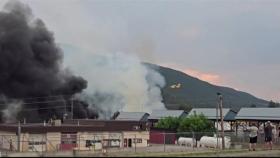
(192, 126)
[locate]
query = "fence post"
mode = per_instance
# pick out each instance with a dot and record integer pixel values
(42, 142)
(135, 143)
(164, 141)
(19, 134)
(193, 139)
(79, 141)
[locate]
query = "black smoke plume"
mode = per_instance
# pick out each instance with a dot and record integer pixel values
(31, 67)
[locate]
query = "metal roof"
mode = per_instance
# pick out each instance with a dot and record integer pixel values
(158, 114)
(264, 114)
(133, 116)
(230, 116)
(210, 113)
(79, 125)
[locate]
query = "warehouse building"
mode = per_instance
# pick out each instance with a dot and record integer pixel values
(131, 116)
(214, 115)
(79, 134)
(156, 115)
(163, 136)
(258, 115)
(211, 113)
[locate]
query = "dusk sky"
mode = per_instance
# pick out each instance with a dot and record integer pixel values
(233, 43)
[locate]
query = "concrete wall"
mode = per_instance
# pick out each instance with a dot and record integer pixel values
(98, 136)
(37, 142)
(8, 141)
(24, 142)
(143, 135)
(53, 141)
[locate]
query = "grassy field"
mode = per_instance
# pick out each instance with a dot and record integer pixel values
(227, 153)
(206, 153)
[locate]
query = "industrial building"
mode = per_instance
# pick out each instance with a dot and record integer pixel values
(125, 130)
(81, 134)
(156, 115)
(259, 114)
(131, 116)
(213, 114)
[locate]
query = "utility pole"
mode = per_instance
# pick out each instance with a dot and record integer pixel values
(222, 119)
(217, 126)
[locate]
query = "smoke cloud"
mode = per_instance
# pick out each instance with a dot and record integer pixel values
(36, 86)
(31, 61)
(13, 107)
(121, 82)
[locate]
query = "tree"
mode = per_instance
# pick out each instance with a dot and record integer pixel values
(272, 104)
(171, 123)
(197, 126)
(253, 106)
(194, 125)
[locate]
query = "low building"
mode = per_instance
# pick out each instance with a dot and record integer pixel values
(80, 134)
(162, 136)
(131, 116)
(156, 115)
(214, 115)
(259, 114)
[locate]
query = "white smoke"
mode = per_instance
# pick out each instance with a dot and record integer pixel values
(12, 109)
(120, 82)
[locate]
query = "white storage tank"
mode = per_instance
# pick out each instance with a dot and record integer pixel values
(211, 142)
(186, 141)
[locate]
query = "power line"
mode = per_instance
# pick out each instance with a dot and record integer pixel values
(36, 109)
(39, 102)
(42, 97)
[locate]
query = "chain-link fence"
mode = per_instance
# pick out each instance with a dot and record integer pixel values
(104, 143)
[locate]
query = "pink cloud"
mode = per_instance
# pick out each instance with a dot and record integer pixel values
(208, 77)
(205, 76)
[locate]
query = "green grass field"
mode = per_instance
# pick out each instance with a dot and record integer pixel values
(226, 153)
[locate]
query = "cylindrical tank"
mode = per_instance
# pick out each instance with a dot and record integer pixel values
(186, 141)
(212, 142)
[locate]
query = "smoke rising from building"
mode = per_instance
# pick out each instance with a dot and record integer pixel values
(35, 86)
(31, 61)
(120, 82)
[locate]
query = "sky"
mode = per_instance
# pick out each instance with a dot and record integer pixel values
(233, 43)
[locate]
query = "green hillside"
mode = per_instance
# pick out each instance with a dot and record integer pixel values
(192, 92)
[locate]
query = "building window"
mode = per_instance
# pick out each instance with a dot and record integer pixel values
(90, 143)
(137, 140)
(36, 143)
(68, 138)
(68, 142)
(136, 127)
(111, 143)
